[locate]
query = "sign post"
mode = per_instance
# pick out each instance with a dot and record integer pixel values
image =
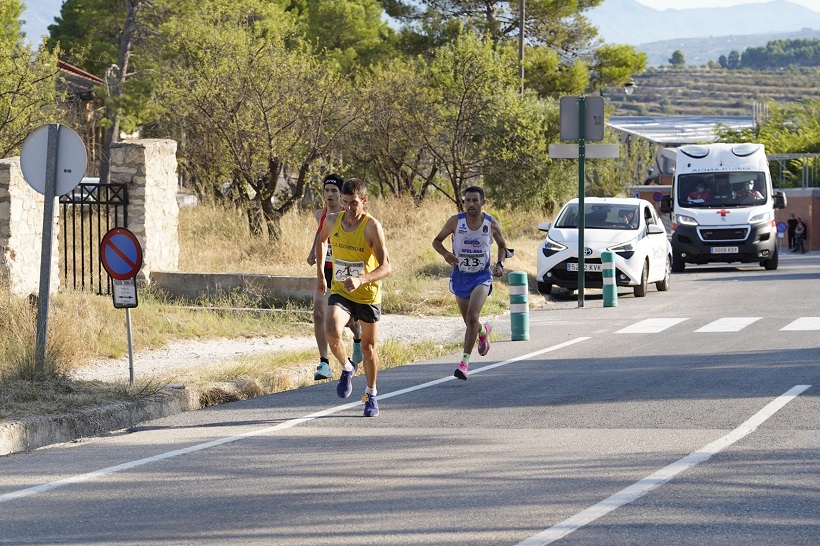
(582, 119)
(53, 161)
(121, 256)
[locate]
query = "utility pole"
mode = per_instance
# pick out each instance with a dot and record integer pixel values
(521, 44)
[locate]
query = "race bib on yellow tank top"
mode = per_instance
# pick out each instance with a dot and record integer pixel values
(353, 258)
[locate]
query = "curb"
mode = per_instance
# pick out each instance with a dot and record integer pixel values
(35, 432)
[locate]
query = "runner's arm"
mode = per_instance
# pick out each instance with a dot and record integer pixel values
(438, 243)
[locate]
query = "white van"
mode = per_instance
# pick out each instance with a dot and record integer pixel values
(722, 206)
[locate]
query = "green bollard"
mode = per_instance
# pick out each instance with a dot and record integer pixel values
(519, 306)
(608, 272)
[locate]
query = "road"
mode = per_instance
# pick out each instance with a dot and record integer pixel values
(685, 417)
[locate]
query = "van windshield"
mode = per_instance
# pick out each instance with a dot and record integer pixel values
(723, 189)
(600, 216)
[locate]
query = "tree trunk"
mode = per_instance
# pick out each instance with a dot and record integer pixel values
(114, 79)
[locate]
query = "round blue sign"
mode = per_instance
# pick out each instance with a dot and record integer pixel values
(657, 196)
(781, 227)
(121, 254)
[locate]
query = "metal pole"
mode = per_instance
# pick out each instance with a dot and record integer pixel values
(521, 44)
(130, 347)
(581, 210)
(45, 254)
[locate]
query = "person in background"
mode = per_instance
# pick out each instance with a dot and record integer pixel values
(792, 221)
(472, 232)
(700, 195)
(360, 262)
(747, 190)
(627, 217)
(333, 204)
(800, 236)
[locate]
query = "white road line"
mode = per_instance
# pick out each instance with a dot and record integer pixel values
(728, 324)
(803, 323)
(281, 426)
(651, 326)
(653, 481)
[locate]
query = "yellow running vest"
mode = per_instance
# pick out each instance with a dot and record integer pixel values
(353, 258)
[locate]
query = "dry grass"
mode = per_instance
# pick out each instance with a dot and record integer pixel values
(215, 239)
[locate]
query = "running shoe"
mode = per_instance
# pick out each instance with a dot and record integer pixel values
(461, 371)
(345, 386)
(371, 407)
(357, 353)
(484, 341)
(323, 371)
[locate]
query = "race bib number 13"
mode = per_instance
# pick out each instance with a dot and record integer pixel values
(471, 263)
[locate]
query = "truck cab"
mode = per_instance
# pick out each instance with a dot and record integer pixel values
(722, 206)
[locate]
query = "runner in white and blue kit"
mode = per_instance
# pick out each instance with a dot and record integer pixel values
(473, 232)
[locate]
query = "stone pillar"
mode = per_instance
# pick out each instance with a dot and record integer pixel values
(149, 167)
(21, 233)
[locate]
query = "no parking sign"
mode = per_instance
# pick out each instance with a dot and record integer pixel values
(121, 256)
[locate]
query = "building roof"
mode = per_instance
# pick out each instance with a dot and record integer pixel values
(77, 82)
(678, 130)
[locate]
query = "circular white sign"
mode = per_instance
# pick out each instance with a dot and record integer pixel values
(71, 159)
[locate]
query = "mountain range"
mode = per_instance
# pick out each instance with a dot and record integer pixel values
(628, 22)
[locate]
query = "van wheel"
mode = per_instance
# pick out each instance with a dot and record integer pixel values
(544, 288)
(663, 285)
(771, 263)
(678, 265)
(640, 290)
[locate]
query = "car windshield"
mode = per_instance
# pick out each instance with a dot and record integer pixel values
(723, 190)
(600, 216)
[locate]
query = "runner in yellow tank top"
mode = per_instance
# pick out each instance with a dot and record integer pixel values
(360, 262)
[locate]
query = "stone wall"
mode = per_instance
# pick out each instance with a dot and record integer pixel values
(21, 233)
(149, 168)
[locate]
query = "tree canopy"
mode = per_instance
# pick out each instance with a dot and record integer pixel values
(266, 96)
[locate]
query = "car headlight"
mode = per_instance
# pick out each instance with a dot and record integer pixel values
(685, 220)
(625, 247)
(762, 217)
(552, 246)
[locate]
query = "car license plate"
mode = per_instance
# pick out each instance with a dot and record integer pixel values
(724, 250)
(587, 267)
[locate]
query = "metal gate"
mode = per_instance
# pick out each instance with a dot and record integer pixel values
(88, 212)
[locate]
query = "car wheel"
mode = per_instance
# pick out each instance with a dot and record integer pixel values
(640, 290)
(771, 263)
(663, 285)
(544, 288)
(678, 265)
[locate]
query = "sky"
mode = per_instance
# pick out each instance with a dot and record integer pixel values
(813, 5)
(41, 13)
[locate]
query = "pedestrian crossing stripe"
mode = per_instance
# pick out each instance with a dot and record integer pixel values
(651, 326)
(804, 323)
(726, 324)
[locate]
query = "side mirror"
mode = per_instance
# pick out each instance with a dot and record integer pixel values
(655, 229)
(544, 226)
(779, 200)
(666, 204)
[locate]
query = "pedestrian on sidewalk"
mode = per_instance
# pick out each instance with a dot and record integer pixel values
(471, 280)
(792, 221)
(360, 262)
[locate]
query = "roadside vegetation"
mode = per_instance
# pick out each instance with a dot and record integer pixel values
(216, 238)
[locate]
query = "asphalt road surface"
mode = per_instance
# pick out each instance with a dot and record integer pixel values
(685, 417)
